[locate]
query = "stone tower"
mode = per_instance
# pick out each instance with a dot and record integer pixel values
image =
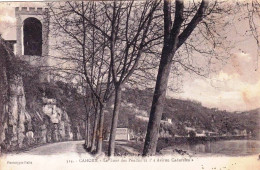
(32, 34)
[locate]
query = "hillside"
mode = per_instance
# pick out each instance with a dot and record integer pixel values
(186, 113)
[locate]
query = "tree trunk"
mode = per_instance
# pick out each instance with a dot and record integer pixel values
(117, 103)
(87, 131)
(100, 130)
(172, 41)
(158, 103)
(93, 144)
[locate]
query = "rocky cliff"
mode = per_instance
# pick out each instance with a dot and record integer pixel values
(28, 116)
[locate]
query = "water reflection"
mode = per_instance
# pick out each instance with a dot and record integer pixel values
(228, 147)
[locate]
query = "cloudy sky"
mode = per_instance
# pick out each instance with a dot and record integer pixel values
(234, 87)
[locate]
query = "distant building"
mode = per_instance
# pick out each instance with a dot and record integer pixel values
(188, 129)
(122, 134)
(208, 133)
(244, 132)
(167, 120)
(240, 132)
(145, 118)
(200, 134)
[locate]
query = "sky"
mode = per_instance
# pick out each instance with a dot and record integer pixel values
(235, 86)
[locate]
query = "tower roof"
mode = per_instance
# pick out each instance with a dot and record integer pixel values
(31, 11)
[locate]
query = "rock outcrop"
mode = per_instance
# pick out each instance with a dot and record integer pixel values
(3, 90)
(17, 116)
(21, 125)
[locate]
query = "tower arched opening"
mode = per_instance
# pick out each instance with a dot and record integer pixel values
(32, 39)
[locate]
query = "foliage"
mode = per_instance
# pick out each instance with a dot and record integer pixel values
(186, 113)
(192, 134)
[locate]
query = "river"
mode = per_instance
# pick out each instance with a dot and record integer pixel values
(222, 147)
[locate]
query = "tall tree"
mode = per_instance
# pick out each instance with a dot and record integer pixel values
(174, 37)
(131, 27)
(83, 49)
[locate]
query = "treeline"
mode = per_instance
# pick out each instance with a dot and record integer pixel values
(187, 113)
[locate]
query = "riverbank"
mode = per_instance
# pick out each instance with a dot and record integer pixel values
(165, 142)
(238, 147)
(234, 148)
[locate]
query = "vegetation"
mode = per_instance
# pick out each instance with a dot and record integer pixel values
(186, 113)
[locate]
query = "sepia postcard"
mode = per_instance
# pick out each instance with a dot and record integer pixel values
(151, 84)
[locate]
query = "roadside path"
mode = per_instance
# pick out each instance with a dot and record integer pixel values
(58, 148)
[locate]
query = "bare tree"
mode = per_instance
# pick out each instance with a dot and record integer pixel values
(130, 30)
(84, 56)
(176, 34)
(253, 14)
(128, 39)
(109, 42)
